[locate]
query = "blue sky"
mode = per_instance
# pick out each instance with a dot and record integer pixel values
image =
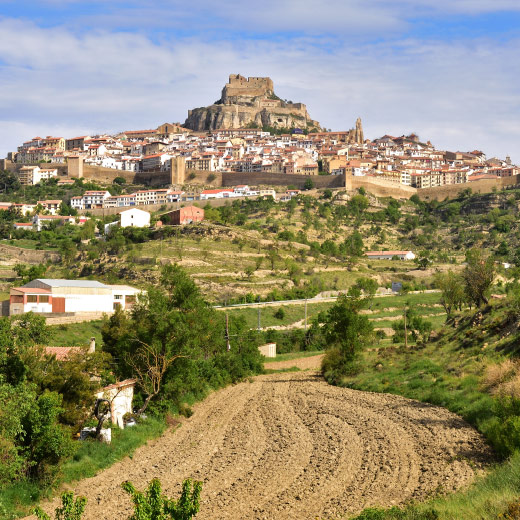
(447, 70)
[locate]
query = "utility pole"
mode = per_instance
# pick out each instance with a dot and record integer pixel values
(405, 330)
(259, 326)
(305, 313)
(228, 345)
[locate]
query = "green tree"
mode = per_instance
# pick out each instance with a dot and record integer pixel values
(412, 326)
(153, 505)
(478, 276)
(423, 260)
(347, 333)
(453, 294)
(308, 185)
(353, 244)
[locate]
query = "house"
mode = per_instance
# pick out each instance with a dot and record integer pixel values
(120, 396)
(216, 194)
(187, 215)
(52, 296)
(135, 218)
(94, 199)
(23, 225)
(52, 206)
(390, 255)
(41, 221)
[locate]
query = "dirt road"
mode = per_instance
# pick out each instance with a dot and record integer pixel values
(289, 446)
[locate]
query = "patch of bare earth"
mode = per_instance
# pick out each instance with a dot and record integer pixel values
(290, 446)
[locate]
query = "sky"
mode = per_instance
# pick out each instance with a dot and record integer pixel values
(447, 70)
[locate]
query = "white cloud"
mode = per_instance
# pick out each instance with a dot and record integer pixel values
(459, 95)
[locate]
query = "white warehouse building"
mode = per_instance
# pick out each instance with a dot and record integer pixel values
(51, 296)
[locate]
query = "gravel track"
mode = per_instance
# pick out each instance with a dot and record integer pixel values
(289, 446)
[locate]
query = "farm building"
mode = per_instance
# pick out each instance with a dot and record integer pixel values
(389, 255)
(183, 216)
(50, 296)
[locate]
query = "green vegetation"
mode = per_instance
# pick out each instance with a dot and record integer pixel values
(153, 505)
(448, 371)
(72, 508)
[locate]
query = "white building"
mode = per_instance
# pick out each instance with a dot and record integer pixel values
(70, 296)
(135, 218)
(389, 255)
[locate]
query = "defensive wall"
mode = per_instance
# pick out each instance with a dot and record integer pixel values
(280, 179)
(380, 187)
(483, 186)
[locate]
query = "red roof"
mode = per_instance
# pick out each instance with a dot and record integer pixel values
(32, 290)
(121, 384)
(61, 353)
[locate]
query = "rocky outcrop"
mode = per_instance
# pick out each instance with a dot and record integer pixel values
(251, 103)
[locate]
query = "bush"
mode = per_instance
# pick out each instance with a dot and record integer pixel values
(279, 314)
(153, 505)
(71, 509)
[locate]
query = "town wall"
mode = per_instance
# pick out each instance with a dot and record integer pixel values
(280, 179)
(380, 187)
(483, 186)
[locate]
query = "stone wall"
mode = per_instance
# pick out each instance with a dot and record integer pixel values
(483, 186)
(27, 256)
(279, 179)
(380, 188)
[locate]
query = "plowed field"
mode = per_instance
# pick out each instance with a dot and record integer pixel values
(289, 446)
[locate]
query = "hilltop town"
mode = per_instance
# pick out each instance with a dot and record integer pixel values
(252, 131)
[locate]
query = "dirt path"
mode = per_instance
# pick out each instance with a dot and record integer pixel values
(289, 446)
(304, 363)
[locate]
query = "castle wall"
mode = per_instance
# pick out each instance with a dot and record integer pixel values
(276, 179)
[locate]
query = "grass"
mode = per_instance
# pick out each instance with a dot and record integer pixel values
(295, 355)
(383, 307)
(88, 460)
(448, 372)
(76, 334)
(25, 243)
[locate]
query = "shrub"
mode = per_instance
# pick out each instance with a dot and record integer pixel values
(153, 505)
(71, 509)
(279, 314)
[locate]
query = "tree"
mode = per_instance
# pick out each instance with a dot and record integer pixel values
(150, 364)
(411, 325)
(308, 185)
(423, 260)
(153, 505)
(353, 244)
(347, 333)
(273, 256)
(478, 276)
(452, 291)
(119, 180)
(357, 205)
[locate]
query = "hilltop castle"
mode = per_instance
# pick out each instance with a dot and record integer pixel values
(250, 102)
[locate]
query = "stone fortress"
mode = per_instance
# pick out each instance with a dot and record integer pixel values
(250, 102)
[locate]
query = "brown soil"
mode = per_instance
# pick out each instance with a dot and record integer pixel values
(289, 446)
(311, 362)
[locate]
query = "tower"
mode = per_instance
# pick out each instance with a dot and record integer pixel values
(359, 137)
(177, 170)
(75, 167)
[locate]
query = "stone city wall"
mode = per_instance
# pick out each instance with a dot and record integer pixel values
(280, 179)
